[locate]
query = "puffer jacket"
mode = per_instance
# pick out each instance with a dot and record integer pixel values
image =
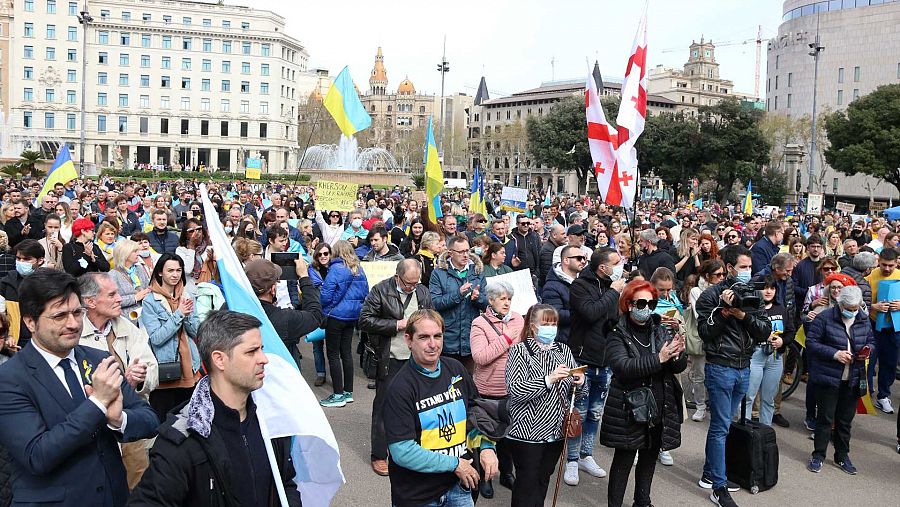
(343, 293)
(727, 341)
(635, 366)
(826, 335)
(458, 311)
(594, 307)
(556, 294)
(863, 284)
(380, 312)
(490, 350)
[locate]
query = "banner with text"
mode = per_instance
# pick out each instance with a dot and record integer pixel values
(335, 195)
(513, 199)
(378, 271)
(846, 207)
(523, 289)
(814, 204)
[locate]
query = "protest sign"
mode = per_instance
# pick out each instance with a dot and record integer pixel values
(418, 195)
(814, 204)
(378, 271)
(252, 174)
(513, 199)
(877, 206)
(335, 195)
(523, 289)
(846, 207)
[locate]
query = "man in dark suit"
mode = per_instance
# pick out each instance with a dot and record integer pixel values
(65, 407)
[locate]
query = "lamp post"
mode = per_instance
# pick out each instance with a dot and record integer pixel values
(815, 49)
(85, 19)
(443, 68)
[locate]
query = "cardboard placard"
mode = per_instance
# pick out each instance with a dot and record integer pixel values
(418, 195)
(846, 207)
(377, 271)
(335, 195)
(513, 199)
(252, 173)
(814, 204)
(877, 206)
(523, 289)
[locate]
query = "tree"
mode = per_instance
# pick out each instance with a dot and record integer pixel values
(734, 143)
(866, 138)
(672, 147)
(772, 186)
(27, 161)
(551, 138)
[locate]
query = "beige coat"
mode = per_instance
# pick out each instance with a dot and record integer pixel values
(130, 342)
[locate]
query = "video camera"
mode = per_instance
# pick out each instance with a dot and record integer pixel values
(746, 296)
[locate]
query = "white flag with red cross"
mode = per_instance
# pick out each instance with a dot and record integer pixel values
(603, 141)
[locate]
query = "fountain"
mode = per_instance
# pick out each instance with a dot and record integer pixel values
(347, 155)
(13, 141)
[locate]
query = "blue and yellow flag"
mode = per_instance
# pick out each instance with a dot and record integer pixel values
(62, 171)
(748, 199)
(474, 198)
(434, 176)
(343, 103)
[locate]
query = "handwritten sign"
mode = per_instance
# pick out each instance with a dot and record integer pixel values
(814, 204)
(523, 289)
(418, 195)
(254, 163)
(513, 199)
(378, 271)
(877, 206)
(846, 207)
(252, 173)
(335, 196)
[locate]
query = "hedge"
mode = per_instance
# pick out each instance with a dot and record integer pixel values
(217, 176)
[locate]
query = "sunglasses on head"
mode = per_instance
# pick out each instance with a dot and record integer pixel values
(640, 304)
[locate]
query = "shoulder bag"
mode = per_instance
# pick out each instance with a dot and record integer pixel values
(640, 403)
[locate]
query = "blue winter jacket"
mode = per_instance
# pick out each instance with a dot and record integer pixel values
(556, 294)
(343, 293)
(162, 326)
(761, 253)
(825, 336)
(458, 311)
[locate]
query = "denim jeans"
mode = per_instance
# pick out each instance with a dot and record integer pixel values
(725, 388)
(887, 343)
(591, 409)
(319, 357)
(454, 497)
(765, 379)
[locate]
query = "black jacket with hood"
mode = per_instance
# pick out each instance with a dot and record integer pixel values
(593, 307)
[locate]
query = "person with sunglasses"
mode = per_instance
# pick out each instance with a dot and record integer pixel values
(818, 295)
(730, 334)
(711, 272)
(559, 282)
(332, 229)
(642, 353)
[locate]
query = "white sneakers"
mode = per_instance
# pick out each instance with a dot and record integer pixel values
(666, 458)
(570, 476)
(699, 415)
(590, 466)
(884, 404)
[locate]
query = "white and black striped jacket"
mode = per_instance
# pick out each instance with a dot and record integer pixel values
(536, 410)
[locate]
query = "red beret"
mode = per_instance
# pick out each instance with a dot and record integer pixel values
(846, 280)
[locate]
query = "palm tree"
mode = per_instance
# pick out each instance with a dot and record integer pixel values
(27, 161)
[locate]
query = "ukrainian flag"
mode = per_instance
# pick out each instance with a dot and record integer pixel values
(476, 197)
(62, 171)
(344, 105)
(434, 176)
(748, 199)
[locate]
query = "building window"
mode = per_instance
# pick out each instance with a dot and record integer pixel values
(185, 64)
(70, 97)
(28, 94)
(776, 102)
(145, 101)
(29, 30)
(245, 106)
(145, 80)
(776, 82)
(167, 19)
(166, 62)
(206, 66)
(265, 49)
(70, 121)
(244, 128)
(263, 108)
(226, 67)
(146, 17)
(101, 78)
(226, 46)
(226, 105)
(226, 85)
(264, 69)
(245, 25)
(71, 76)
(185, 126)
(790, 79)
(163, 125)
(126, 16)
(49, 121)
(72, 55)
(245, 48)
(789, 101)
(186, 43)
(245, 67)
(207, 22)
(226, 23)
(223, 129)
(186, 20)
(104, 13)
(204, 127)
(145, 40)
(51, 6)
(185, 83)
(123, 79)
(101, 99)
(207, 45)
(26, 119)
(29, 5)
(123, 100)
(777, 61)
(73, 34)
(855, 93)
(204, 104)
(103, 37)
(204, 85)
(245, 86)
(125, 39)
(855, 74)
(145, 61)
(49, 95)
(164, 102)
(264, 88)
(123, 124)
(51, 31)
(167, 42)
(840, 97)
(123, 60)
(103, 58)
(29, 73)
(144, 124)
(51, 53)
(263, 130)
(101, 123)
(165, 82)
(185, 103)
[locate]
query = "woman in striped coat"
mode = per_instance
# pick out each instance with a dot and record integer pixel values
(539, 385)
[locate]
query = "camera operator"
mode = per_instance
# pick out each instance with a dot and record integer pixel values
(731, 321)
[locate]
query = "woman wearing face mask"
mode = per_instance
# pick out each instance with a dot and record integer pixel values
(410, 245)
(540, 386)
(131, 278)
(711, 273)
(145, 256)
(493, 333)
(494, 258)
(643, 356)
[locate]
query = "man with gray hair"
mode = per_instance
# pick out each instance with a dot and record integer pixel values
(651, 257)
(106, 329)
(859, 268)
(851, 248)
(383, 317)
(216, 434)
(556, 239)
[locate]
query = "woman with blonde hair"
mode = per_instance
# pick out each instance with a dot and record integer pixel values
(131, 279)
(430, 247)
(688, 254)
(342, 295)
(247, 249)
(626, 250)
(6, 212)
(834, 245)
(106, 240)
(66, 217)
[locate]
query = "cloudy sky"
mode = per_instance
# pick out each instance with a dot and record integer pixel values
(513, 42)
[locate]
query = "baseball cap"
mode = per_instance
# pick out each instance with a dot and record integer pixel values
(263, 274)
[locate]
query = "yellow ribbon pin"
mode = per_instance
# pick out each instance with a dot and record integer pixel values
(87, 371)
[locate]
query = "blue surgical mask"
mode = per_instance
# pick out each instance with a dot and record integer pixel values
(356, 223)
(479, 251)
(848, 314)
(228, 230)
(743, 275)
(546, 334)
(144, 253)
(641, 314)
(24, 268)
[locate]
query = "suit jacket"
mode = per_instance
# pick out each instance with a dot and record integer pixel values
(63, 452)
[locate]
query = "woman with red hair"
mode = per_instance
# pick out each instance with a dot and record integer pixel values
(709, 248)
(645, 359)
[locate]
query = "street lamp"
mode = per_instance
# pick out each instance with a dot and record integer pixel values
(815, 49)
(443, 67)
(85, 19)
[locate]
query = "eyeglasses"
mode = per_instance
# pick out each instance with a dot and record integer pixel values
(61, 317)
(829, 268)
(732, 236)
(718, 274)
(794, 234)
(460, 252)
(579, 258)
(334, 216)
(640, 304)
(481, 221)
(194, 229)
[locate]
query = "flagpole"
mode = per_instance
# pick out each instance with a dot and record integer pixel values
(309, 140)
(276, 474)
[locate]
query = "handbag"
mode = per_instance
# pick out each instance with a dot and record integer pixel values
(368, 361)
(170, 371)
(641, 405)
(572, 422)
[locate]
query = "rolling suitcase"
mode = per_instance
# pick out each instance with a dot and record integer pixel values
(751, 454)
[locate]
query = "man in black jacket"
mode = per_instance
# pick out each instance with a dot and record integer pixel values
(652, 257)
(556, 239)
(528, 247)
(290, 324)
(162, 240)
(593, 302)
(383, 317)
(730, 333)
(21, 226)
(211, 451)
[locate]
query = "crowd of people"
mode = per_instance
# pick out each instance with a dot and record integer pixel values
(110, 296)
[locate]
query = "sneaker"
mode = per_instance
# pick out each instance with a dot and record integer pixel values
(722, 498)
(348, 397)
(571, 474)
(898, 447)
(335, 400)
(699, 415)
(779, 420)
(810, 425)
(846, 466)
(706, 483)
(665, 457)
(320, 379)
(590, 466)
(884, 404)
(814, 465)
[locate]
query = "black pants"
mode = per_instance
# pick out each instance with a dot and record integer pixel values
(535, 463)
(837, 407)
(620, 470)
(379, 440)
(164, 400)
(338, 348)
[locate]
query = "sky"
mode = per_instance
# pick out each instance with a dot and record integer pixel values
(512, 43)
